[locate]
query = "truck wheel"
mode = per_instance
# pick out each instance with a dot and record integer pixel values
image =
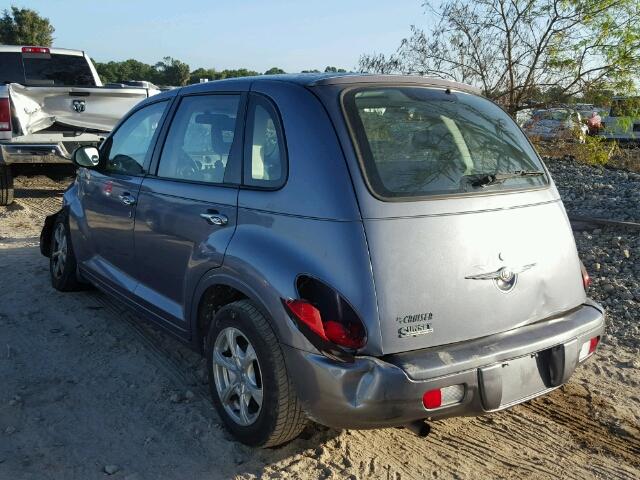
(62, 262)
(248, 379)
(6, 185)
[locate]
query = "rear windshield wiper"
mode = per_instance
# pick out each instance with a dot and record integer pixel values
(486, 179)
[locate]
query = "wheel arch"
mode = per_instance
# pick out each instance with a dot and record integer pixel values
(218, 288)
(47, 231)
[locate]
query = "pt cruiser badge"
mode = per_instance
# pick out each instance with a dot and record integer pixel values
(414, 325)
(505, 278)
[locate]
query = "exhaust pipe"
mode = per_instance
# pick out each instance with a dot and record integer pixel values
(419, 427)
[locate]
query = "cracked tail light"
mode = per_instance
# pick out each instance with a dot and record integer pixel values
(326, 319)
(349, 335)
(5, 115)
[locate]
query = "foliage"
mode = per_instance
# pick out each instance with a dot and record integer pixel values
(172, 71)
(334, 70)
(274, 71)
(515, 49)
(595, 150)
(23, 26)
(112, 72)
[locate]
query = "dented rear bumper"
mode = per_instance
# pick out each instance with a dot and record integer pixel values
(497, 372)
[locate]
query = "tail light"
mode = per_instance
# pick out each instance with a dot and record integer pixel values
(588, 348)
(5, 115)
(586, 279)
(44, 50)
(442, 397)
(326, 319)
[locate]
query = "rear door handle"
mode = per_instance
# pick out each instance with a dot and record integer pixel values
(127, 199)
(215, 218)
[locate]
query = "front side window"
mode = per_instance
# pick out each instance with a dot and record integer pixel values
(200, 139)
(418, 141)
(265, 163)
(131, 145)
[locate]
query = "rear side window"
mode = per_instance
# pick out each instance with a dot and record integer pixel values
(200, 139)
(416, 141)
(264, 158)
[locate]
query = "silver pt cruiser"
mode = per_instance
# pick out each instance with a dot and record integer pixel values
(362, 251)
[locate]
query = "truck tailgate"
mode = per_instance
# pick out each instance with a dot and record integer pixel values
(93, 108)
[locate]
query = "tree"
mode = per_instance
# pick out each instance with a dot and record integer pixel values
(170, 71)
(310, 71)
(513, 49)
(274, 71)
(334, 70)
(113, 72)
(203, 73)
(23, 26)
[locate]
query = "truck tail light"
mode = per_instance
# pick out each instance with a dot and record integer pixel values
(442, 397)
(44, 50)
(326, 319)
(586, 279)
(5, 115)
(588, 348)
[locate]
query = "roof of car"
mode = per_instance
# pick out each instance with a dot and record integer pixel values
(318, 79)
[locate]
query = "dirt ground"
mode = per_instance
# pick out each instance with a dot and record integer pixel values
(85, 388)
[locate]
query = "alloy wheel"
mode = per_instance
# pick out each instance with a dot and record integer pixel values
(59, 251)
(237, 376)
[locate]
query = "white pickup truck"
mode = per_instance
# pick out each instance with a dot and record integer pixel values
(51, 102)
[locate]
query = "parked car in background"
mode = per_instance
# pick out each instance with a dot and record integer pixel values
(556, 123)
(362, 251)
(623, 122)
(51, 102)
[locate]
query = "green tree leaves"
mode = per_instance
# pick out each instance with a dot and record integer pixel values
(23, 26)
(515, 50)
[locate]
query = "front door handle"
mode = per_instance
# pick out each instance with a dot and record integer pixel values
(127, 199)
(215, 218)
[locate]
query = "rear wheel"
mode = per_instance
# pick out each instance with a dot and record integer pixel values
(62, 262)
(6, 185)
(249, 383)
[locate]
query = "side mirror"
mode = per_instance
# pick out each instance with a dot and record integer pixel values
(88, 157)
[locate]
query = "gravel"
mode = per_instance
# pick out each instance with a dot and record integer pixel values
(597, 192)
(610, 254)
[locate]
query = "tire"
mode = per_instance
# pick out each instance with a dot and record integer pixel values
(62, 261)
(6, 185)
(279, 417)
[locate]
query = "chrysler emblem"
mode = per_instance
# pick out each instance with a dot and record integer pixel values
(79, 105)
(504, 278)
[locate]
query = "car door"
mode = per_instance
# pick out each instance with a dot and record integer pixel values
(109, 197)
(186, 212)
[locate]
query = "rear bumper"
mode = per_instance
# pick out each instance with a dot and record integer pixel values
(378, 392)
(33, 153)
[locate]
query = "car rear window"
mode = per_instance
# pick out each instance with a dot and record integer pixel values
(416, 141)
(45, 70)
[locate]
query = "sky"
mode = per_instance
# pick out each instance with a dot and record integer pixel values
(292, 35)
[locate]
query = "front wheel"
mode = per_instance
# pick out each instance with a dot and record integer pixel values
(249, 383)
(62, 262)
